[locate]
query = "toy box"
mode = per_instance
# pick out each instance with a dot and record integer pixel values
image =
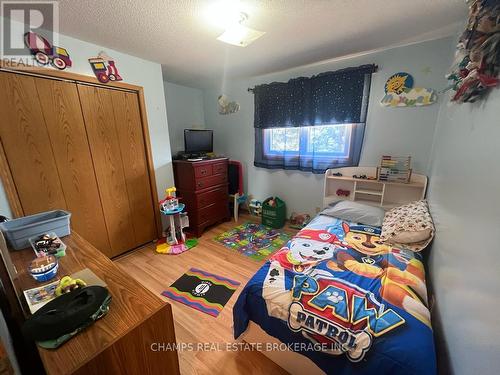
(273, 212)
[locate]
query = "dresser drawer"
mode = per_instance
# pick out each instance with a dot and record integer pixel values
(211, 196)
(203, 171)
(212, 213)
(219, 168)
(203, 183)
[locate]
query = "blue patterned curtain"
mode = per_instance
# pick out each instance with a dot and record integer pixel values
(330, 110)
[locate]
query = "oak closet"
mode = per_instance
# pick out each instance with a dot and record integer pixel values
(79, 147)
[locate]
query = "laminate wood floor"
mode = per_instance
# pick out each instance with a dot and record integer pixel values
(157, 271)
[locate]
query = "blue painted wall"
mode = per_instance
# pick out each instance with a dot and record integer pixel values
(136, 71)
(184, 110)
(396, 131)
(464, 197)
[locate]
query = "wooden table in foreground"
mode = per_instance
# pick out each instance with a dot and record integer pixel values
(120, 342)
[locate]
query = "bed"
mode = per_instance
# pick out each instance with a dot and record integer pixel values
(337, 300)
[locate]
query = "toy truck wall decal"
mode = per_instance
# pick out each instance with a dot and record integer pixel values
(46, 53)
(104, 68)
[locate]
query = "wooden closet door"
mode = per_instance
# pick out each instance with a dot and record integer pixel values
(133, 150)
(64, 120)
(97, 107)
(27, 145)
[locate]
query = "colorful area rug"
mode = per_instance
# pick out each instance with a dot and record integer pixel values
(253, 240)
(202, 291)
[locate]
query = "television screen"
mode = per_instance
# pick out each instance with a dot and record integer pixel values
(196, 140)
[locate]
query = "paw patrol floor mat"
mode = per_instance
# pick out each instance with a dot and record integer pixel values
(253, 240)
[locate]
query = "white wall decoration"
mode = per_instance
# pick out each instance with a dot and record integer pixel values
(399, 92)
(226, 107)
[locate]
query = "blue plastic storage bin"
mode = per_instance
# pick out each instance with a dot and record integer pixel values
(18, 231)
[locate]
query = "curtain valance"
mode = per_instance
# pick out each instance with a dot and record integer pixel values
(337, 97)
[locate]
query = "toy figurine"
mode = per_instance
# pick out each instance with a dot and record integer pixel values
(68, 284)
(170, 207)
(170, 203)
(255, 207)
(341, 192)
(361, 176)
(299, 221)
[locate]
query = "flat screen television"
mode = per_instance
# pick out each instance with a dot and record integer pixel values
(198, 140)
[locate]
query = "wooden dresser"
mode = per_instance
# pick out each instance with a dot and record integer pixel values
(203, 185)
(123, 341)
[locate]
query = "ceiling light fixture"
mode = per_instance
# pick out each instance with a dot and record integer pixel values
(239, 35)
(224, 13)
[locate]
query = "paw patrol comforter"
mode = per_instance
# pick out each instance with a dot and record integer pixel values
(340, 296)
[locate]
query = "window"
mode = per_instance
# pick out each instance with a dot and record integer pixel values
(313, 123)
(326, 141)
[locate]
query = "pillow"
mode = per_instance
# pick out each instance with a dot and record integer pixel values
(409, 226)
(356, 212)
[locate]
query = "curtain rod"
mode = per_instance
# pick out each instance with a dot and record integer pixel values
(250, 89)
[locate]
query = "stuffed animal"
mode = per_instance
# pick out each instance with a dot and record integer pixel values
(68, 284)
(299, 221)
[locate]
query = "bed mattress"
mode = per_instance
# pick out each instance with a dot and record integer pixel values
(350, 303)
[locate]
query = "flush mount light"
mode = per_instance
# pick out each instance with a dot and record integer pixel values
(239, 35)
(224, 13)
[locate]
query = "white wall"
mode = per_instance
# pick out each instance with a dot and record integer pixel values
(139, 72)
(184, 110)
(396, 131)
(465, 256)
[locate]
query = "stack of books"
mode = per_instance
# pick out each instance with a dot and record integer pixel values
(395, 169)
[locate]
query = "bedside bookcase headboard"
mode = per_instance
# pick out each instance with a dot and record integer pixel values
(384, 194)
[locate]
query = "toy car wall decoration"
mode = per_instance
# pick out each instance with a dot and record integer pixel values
(104, 68)
(46, 53)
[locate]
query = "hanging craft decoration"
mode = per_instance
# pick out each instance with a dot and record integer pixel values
(399, 92)
(104, 68)
(46, 53)
(226, 107)
(477, 59)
